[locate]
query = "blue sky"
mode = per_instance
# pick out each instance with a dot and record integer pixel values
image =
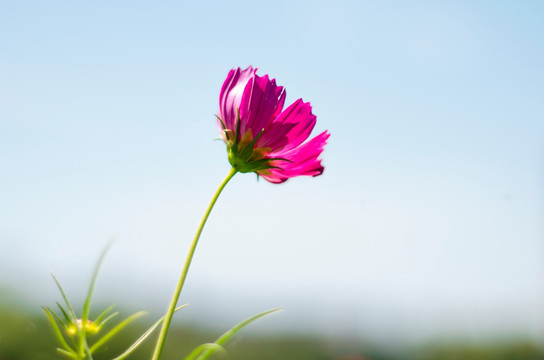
(428, 218)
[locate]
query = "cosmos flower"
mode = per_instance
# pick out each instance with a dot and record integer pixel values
(261, 135)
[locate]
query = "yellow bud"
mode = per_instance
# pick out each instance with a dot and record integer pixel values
(90, 327)
(71, 330)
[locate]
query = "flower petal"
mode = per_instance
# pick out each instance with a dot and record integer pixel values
(303, 160)
(261, 103)
(290, 129)
(231, 95)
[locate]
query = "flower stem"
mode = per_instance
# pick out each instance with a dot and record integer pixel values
(166, 324)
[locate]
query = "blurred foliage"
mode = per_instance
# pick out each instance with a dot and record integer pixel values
(26, 335)
(498, 351)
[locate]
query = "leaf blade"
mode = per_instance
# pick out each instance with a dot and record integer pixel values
(230, 333)
(115, 330)
(57, 331)
(70, 309)
(87, 304)
(208, 347)
(235, 329)
(99, 318)
(144, 336)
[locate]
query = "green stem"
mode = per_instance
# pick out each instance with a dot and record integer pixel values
(83, 351)
(166, 324)
(81, 347)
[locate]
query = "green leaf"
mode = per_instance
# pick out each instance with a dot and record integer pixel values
(87, 304)
(67, 319)
(226, 336)
(115, 330)
(209, 347)
(58, 332)
(59, 319)
(67, 353)
(103, 315)
(144, 336)
(66, 326)
(229, 334)
(88, 354)
(108, 319)
(73, 316)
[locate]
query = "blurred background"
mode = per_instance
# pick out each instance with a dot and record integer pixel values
(423, 239)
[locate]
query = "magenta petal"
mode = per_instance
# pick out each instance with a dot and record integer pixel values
(303, 160)
(231, 94)
(261, 102)
(290, 129)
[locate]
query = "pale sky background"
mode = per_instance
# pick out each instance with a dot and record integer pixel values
(427, 221)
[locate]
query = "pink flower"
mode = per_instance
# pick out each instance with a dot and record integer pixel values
(261, 136)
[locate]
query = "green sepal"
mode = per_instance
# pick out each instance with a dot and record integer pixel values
(278, 158)
(237, 134)
(222, 123)
(245, 154)
(240, 161)
(144, 336)
(266, 165)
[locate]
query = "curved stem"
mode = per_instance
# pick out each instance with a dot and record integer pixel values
(168, 317)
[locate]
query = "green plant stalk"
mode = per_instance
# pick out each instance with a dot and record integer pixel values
(166, 324)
